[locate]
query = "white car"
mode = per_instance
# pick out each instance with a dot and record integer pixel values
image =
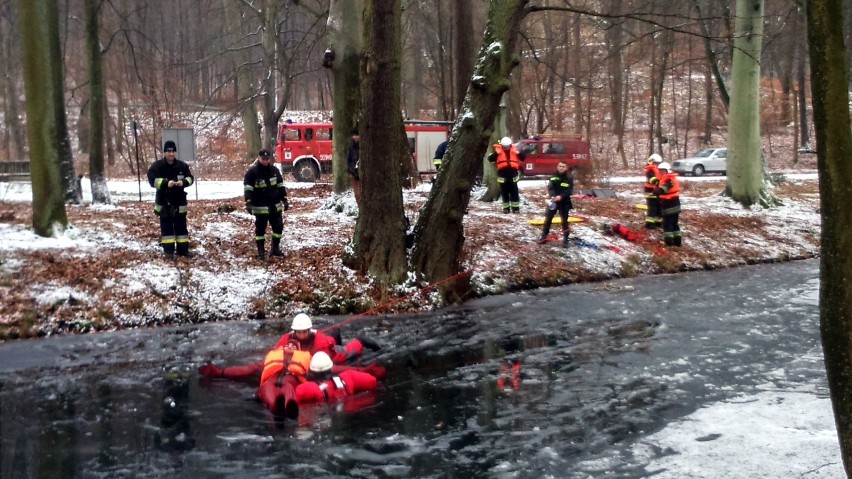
(711, 160)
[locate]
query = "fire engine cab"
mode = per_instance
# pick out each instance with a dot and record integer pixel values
(305, 149)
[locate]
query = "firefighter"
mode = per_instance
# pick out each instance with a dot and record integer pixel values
(326, 384)
(266, 199)
(508, 160)
(439, 154)
(652, 214)
(286, 365)
(668, 189)
(560, 187)
(170, 177)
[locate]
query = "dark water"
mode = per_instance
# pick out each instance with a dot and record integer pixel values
(537, 384)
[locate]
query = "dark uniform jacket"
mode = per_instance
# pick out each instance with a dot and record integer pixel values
(167, 200)
(353, 158)
(264, 187)
(561, 185)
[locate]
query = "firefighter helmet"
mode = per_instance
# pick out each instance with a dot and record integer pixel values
(301, 322)
(321, 362)
(505, 142)
(664, 166)
(655, 158)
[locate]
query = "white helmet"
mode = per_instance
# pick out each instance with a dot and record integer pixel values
(664, 166)
(301, 322)
(505, 142)
(321, 363)
(655, 158)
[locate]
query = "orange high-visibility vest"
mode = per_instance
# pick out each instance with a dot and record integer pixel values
(276, 360)
(673, 191)
(507, 161)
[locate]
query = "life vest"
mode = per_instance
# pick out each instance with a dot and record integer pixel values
(276, 360)
(507, 161)
(673, 191)
(651, 171)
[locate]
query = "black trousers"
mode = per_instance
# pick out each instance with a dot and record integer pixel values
(274, 219)
(173, 233)
(563, 208)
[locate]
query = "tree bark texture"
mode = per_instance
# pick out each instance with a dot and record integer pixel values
(68, 177)
(245, 93)
(97, 172)
(379, 241)
(440, 232)
(745, 166)
(48, 205)
(829, 85)
(345, 35)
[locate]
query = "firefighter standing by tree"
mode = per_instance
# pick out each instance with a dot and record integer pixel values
(652, 201)
(668, 189)
(266, 199)
(170, 177)
(508, 160)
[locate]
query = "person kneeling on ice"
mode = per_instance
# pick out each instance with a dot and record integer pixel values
(560, 187)
(326, 384)
(309, 339)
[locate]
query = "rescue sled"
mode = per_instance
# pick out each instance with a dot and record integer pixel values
(642, 206)
(556, 220)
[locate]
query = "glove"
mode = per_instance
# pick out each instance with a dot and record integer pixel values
(654, 180)
(248, 207)
(375, 370)
(369, 343)
(211, 370)
(285, 203)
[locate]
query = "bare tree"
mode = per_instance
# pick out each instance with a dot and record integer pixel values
(97, 109)
(746, 178)
(439, 233)
(830, 80)
(343, 56)
(40, 61)
(379, 241)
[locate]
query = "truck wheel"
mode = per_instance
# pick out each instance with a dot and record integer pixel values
(306, 171)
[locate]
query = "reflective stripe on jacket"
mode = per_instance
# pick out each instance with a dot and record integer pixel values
(651, 171)
(669, 188)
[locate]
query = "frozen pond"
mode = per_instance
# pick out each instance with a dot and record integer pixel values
(576, 382)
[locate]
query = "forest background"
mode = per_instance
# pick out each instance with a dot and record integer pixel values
(654, 73)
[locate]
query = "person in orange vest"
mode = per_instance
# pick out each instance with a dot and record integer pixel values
(653, 217)
(326, 384)
(508, 159)
(668, 189)
(287, 364)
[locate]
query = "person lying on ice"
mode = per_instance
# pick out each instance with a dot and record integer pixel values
(286, 365)
(310, 339)
(325, 383)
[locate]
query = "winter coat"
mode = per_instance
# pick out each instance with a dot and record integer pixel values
(263, 186)
(168, 198)
(562, 185)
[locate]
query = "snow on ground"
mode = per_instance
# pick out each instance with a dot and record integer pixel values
(780, 424)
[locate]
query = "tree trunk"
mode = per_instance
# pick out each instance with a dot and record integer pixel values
(804, 124)
(379, 241)
(345, 36)
(39, 61)
(746, 182)
(245, 94)
(829, 84)
(63, 142)
(712, 58)
(462, 49)
(440, 232)
(97, 173)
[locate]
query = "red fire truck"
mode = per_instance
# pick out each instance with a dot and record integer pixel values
(543, 154)
(305, 148)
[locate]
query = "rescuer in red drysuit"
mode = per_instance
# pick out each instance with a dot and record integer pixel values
(620, 230)
(286, 365)
(327, 384)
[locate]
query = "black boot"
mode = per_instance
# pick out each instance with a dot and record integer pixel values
(677, 241)
(565, 242)
(276, 247)
(544, 235)
(261, 250)
(369, 343)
